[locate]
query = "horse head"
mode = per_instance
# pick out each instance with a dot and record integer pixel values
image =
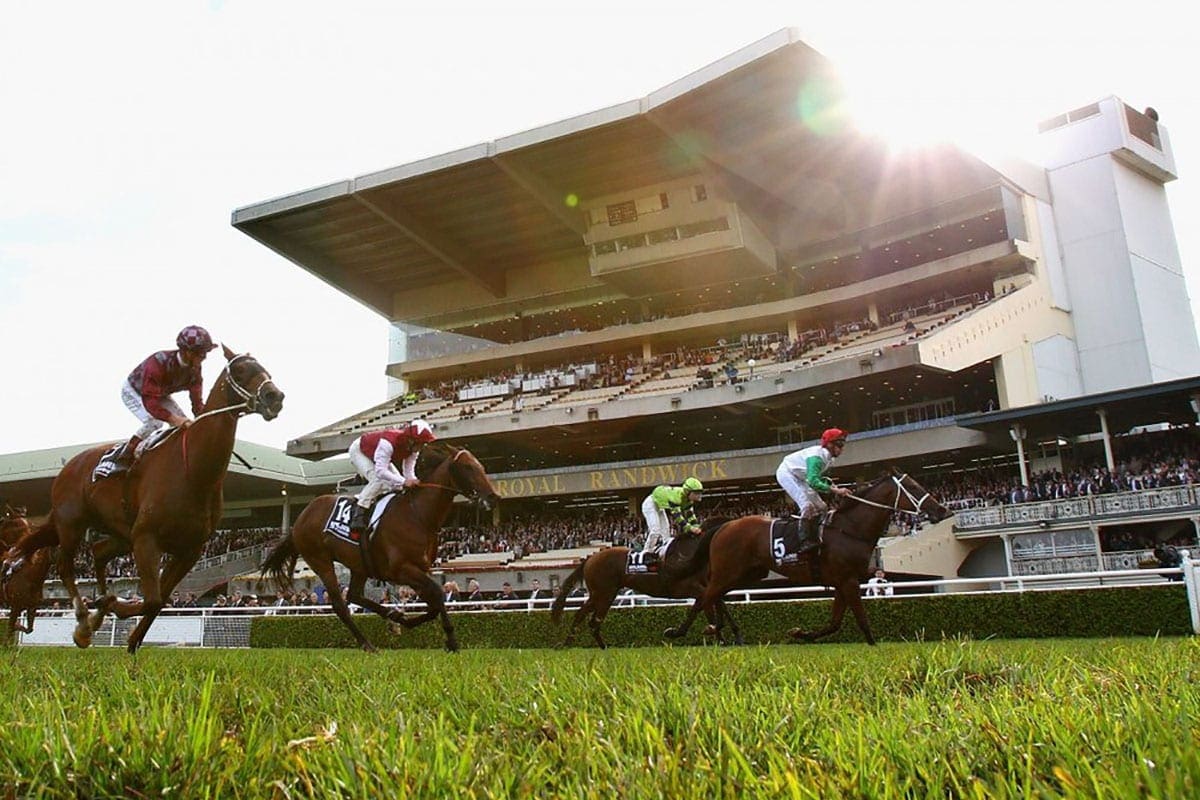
(913, 497)
(249, 383)
(12, 526)
(467, 475)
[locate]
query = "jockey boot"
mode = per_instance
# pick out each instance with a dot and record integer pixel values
(810, 533)
(125, 457)
(358, 518)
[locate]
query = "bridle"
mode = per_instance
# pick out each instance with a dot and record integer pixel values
(901, 489)
(454, 490)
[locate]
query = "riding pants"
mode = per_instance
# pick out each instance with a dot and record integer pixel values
(365, 467)
(805, 496)
(150, 423)
(658, 526)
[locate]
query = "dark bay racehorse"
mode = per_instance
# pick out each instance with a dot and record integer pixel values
(23, 591)
(739, 552)
(167, 504)
(605, 575)
(402, 549)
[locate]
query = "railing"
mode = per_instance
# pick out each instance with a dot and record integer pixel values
(230, 627)
(1167, 500)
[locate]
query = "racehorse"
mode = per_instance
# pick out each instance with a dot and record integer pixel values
(402, 549)
(605, 575)
(739, 552)
(167, 504)
(23, 591)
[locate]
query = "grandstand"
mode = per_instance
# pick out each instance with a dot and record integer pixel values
(646, 291)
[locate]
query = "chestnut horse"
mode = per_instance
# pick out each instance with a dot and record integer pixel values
(402, 549)
(167, 504)
(22, 591)
(604, 573)
(739, 552)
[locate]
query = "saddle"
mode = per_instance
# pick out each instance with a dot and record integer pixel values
(338, 523)
(108, 466)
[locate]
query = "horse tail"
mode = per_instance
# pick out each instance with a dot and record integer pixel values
(281, 562)
(45, 535)
(564, 589)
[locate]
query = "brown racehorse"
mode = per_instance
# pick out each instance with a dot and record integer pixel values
(402, 549)
(739, 552)
(604, 573)
(167, 504)
(23, 591)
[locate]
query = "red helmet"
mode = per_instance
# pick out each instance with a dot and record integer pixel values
(420, 430)
(194, 338)
(833, 435)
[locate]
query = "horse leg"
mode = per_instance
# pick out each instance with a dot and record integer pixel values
(860, 614)
(835, 622)
(726, 616)
(103, 552)
(712, 593)
(431, 594)
(324, 569)
(148, 557)
(358, 596)
(600, 602)
(68, 543)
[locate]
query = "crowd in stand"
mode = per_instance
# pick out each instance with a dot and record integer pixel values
(1150, 461)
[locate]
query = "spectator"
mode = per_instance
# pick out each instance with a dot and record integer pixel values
(879, 585)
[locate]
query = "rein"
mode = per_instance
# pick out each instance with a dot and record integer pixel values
(895, 506)
(249, 404)
(451, 489)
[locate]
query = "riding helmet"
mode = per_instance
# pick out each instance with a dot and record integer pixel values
(420, 430)
(834, 436)
(195, 338)
(693, 485)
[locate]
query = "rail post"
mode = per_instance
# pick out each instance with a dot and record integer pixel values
(1193, 591)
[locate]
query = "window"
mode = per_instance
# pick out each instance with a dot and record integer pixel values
(621, 213)
(699, 193)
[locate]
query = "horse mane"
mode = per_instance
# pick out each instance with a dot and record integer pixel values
(432, 456)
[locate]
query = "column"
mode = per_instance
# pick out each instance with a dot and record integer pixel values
(646, 352)
(793, 329)
(1008, 561)
(873, 312)
(1017, 432)
(1108, 454)
(285, 523)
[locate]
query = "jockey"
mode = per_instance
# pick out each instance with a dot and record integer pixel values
(373, 454)
(148, 389)
(676, 502)
(802, 475)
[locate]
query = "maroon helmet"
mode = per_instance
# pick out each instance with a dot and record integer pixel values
(194, 338)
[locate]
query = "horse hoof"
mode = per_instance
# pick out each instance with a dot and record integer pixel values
(801, 635)
(451, 646)
(368, 647)
(82, 639)
(711, 630)
(395, 628)
(672, 633)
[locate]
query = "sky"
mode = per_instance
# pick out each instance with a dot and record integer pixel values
(130, 131)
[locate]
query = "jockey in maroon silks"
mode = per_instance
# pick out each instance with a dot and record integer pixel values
(148, 389)
(374, 455)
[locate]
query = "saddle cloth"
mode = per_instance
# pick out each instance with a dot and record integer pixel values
(635, 563)
(339, 517)
(107, 466)
(785, 540)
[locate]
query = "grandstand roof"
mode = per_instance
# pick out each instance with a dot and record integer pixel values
(764, 120)
(1125, 409)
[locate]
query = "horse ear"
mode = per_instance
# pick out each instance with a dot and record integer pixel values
(895, 473)
(229, 354)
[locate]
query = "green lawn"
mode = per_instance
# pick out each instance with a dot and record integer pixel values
(1048, 718)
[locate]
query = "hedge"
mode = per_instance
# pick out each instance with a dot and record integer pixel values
(1125, 611)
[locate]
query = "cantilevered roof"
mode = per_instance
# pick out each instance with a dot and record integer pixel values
(764, 123)
(1125, 409)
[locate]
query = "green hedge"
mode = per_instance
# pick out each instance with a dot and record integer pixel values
(1127, 611)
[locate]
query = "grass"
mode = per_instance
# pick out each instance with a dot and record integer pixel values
(1078, 718)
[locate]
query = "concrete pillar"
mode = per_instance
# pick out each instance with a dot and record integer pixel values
(285, 522)
(873, 312)
(496, 515)
(1108, 453)
(646, 351)
(793, 330)
(1008, 561)
(1017, 432)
